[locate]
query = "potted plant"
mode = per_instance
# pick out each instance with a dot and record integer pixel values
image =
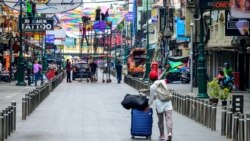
(224, 95)
(214, 91)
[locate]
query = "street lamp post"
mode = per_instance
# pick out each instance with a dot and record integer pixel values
(20, 69)
(147, 48)
(201, 70)
(191, 58)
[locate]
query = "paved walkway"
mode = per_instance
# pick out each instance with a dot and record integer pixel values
(81, 111)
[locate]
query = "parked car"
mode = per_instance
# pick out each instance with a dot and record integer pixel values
(81, 70)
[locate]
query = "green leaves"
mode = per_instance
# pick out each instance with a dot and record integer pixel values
(215, 91)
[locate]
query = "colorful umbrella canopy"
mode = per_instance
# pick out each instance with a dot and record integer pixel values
(70, 21)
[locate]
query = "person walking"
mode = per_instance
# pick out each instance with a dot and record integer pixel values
(118, 68)
(37, 70)
(93, 66)
(68, 70)
(163, 108)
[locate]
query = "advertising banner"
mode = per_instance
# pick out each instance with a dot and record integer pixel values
(236, 26)
(240, 8)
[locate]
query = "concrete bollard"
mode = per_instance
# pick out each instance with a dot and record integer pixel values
(241, 127)
(1, 127)
(213, 117)
(247, 128)
(24, 108)
(229, 123)
(223, 120)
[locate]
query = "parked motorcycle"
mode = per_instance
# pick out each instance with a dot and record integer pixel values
(185, 77)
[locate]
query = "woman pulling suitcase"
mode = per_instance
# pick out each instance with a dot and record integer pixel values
(163, 107)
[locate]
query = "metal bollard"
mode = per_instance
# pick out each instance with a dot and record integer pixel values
(213, 117)
(223, 120)
(247, 128)
(235, 126)
(181, 104)
(24, 108)
(10, 113)
(205, 113)
(201, 111)
(13, 104)
(1, 127)
(197, 111)
(187, 105)
(241, 127)
(191, 107)
(209, 109)
(229, 123)
(5, 123)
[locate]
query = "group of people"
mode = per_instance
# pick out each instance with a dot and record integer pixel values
(93, 68)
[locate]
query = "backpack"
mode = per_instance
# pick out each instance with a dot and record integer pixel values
(163, 93)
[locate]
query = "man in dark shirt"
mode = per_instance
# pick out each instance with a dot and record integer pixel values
(93, 67)
(118, 68)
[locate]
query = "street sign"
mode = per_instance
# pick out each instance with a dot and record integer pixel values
(129, 17)
(38, 24)
(50, 38)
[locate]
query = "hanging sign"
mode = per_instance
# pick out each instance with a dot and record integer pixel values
(38, 24)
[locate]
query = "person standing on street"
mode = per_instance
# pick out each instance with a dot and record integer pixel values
(93, 68)
(68, 70)
(1, 66)
(163, 108)
(118, 68)
(37, 69)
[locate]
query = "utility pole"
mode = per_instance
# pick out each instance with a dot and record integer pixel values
(20, 69)
(147, 47)
(201, 70)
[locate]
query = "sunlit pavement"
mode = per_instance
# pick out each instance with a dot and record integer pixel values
(81, 111)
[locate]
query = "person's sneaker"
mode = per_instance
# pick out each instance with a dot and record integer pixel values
(169, 137)
(162, 137)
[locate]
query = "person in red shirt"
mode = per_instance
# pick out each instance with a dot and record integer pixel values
(68, 70)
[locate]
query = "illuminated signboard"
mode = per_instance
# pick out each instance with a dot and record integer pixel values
(236, 26)
(215, 4)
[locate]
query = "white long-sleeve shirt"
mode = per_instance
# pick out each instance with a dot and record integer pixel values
(161, 106)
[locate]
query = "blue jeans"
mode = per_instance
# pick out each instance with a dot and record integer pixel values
(38, 76)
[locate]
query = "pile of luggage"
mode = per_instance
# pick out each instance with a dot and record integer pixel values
(141, 115)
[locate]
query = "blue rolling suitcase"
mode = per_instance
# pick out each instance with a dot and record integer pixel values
(141, 123)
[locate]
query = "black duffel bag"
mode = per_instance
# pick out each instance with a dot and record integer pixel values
(135, 102)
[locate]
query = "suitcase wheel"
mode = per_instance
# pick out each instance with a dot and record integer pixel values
(148, 137)
(133, 137)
